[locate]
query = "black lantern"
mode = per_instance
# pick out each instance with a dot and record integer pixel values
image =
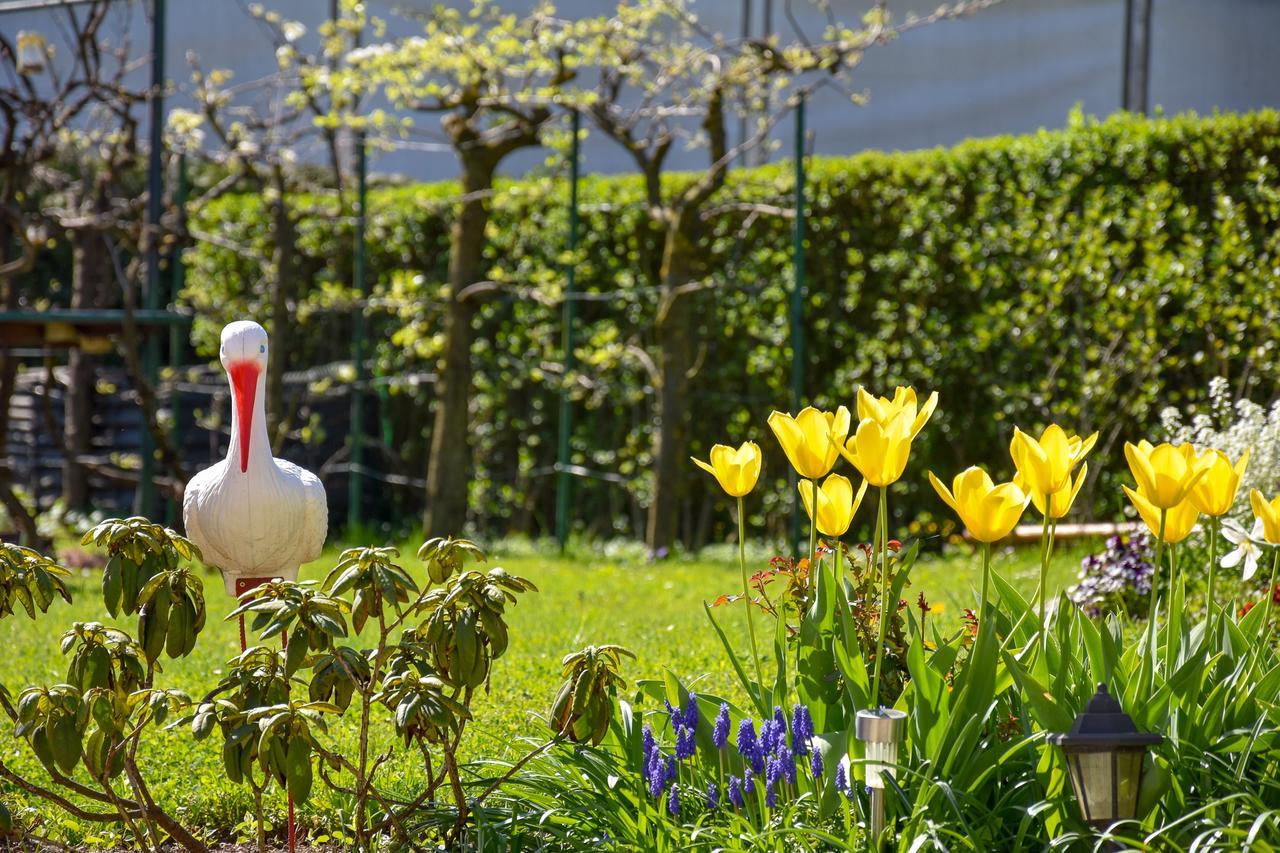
(1104, 752)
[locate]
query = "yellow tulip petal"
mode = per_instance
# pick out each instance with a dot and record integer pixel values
(944, 493)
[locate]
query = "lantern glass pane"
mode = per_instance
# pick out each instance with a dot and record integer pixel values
(1091, 775)
(1128, 777)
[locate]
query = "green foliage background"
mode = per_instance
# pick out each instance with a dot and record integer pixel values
(1091, 276)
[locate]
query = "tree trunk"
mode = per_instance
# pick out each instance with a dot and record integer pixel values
(675, 362)
(449, 468)
(284, 259)
(89, 288)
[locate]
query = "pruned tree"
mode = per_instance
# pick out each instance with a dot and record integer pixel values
(494, 78)
(281, 136)
(663, 82)
(69, 165)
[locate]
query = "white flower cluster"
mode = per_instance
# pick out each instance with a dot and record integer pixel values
(1233, 426)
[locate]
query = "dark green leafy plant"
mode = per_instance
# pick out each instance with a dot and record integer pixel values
(583, 707)
(109, 702)
(428, 647)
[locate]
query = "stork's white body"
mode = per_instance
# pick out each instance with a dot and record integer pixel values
(252, 515)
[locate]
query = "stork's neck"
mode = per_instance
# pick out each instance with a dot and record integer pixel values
(259, 444)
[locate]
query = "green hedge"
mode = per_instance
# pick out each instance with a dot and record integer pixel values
(1091, 275)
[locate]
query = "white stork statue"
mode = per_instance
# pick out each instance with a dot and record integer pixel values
(255, 517)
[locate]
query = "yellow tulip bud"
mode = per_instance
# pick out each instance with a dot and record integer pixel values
(1179, 520)
(989, 510)
(1269, 512)
(837, 503)
(811, 439)
(735, 470)
(1165, 474)
(1045, 464)
(1215, 493)
(880, 451)
(883, 410)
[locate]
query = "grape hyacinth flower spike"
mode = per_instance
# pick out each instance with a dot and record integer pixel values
(720, 733)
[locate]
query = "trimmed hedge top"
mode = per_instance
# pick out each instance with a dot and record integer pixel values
(1090, 275)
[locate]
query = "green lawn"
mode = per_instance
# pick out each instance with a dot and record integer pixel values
(589, 597)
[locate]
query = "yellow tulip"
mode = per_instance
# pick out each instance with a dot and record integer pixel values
(837, 503)
(735, 470)
(1059, 503)
(883, 410)
(811, 439)
(989, 510)
(1215, 492)
(1179, 520)
(1165, 474)
(1045, 464)
(880, 451)
(1269, 512)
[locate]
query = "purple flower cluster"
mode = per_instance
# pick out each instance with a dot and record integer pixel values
(749, 746)
(773, 753)
(842, 780)
(801, 729)
(1118, 577)
(720, 733)
(658, 769)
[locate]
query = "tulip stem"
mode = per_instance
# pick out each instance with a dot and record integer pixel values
(1214, 528)
(1153, 610)
(882, 545)
(746, 590)
(986, 578)
(813, 538)
(1271, 586)
(1046, 552)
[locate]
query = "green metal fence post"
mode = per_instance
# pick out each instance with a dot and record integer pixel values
(567, 318)
(797, 311)
(355, 481)
(146, 498)
(179, 271)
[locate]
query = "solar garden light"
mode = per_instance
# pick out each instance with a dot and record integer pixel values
(1104, 752)
(881, 730)
(33, 51)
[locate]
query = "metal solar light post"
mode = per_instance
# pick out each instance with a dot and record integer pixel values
(881, 730)
(1104, 752)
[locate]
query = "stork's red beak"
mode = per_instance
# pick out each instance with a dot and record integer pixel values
(244, 386)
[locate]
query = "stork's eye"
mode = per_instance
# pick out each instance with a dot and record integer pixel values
(262, 348)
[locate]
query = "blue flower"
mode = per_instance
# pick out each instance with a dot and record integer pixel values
(801, 729)
(815, 764)
(691, 712)
(735, 791)
(672, 769)
(774, 772)
(656, 776)
(686, 745)
(720, 733)
(713, 796)
(842, 780)
(650, 745)
(749, 747)
(749, 781)
(770, 796)
(673, 800)
(780, 726)
(788, 763)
